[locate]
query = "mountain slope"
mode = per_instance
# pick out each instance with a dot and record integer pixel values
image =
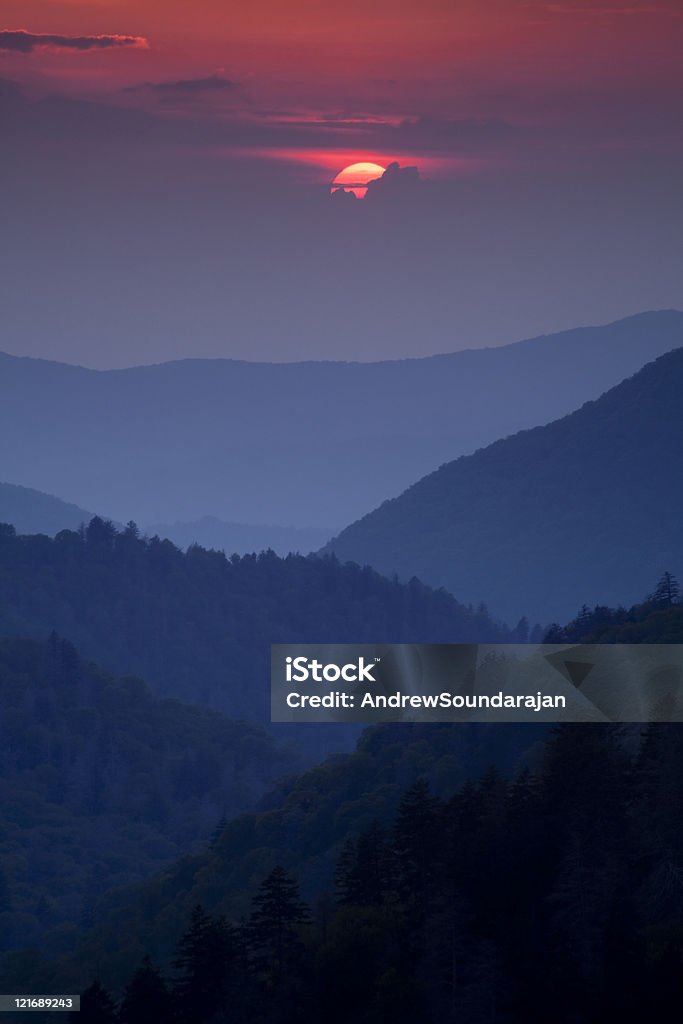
(303, 822)
(484, 905)
(302, 825)
(587, 505)
(307, 443)
(31, 511)
(198, 625)
(101, 784)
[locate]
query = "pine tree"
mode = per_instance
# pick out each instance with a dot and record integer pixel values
(97, 1007)
(667, 592)
(583, 622)
(363, 870)
(344, 873)
(202, 963)
(146, 997)
(415, 832)
(277, 915)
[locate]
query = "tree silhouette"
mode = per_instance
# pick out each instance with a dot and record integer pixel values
(276, 917)
(415, 832)
(667, 591)
(146, 997)
(202, 964)
(555, 896)
(97, 1007)
(363, 872)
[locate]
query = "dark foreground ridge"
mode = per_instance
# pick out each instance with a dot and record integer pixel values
(406, 882)
(102, 784)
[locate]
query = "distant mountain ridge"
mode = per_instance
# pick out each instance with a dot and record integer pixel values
(242, 538)
(587, 507)
(31, 511)
(301, 443)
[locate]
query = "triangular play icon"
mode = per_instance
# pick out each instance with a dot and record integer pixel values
(577, 671)
(574, 671)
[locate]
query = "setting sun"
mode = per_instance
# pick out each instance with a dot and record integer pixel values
(355, 177)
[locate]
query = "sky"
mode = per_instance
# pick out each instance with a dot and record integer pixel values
(166, 169)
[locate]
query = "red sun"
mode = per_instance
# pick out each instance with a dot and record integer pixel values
(355, 177)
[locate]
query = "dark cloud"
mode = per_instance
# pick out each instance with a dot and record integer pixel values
(396, 183)
(187, 87)
(85, 122)
(342, 194)
(62, 117)
(21, 41)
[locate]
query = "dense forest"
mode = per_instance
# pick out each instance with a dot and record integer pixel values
(554, 896)
(101, 784)
(656, 620)
(438, 873)
(164, 859)
(198, 625)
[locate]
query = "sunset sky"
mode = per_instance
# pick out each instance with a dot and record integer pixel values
(528, 122)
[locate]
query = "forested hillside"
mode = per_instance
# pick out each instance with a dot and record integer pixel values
(656, 620)
(31, 511)
(198, 625)
(550, 897)
(437, 870)
(302, 825)
(101, 784)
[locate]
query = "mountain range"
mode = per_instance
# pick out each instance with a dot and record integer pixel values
(309, 444)
(197, 625)
(31, 511)
(585, 508)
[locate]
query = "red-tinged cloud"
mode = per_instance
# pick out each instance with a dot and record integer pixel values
(22, 41)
